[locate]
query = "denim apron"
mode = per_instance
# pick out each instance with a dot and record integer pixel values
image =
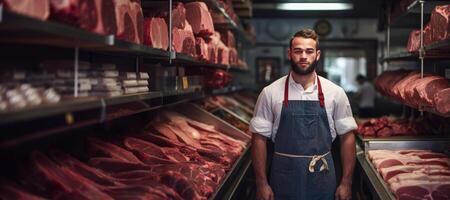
(302, 165)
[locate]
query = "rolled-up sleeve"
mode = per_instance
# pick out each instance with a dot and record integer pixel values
(343, 117)
(262, 120)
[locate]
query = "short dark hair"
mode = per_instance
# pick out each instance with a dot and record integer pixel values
(361, 77)
(306, 33)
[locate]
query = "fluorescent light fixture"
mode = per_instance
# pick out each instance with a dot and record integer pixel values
(314, 6)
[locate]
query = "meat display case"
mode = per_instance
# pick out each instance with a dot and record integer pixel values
(369, 175)
(24, 128)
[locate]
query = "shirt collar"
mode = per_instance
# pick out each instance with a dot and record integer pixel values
(299, 86)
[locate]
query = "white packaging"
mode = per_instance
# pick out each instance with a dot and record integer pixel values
(128, 75)
(144, 75)
(131, 90)
(142, 82)
(142, 89)
(129, 83)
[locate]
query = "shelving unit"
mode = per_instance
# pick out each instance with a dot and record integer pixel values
(414, 16)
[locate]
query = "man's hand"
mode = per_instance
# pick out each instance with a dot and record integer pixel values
(343, 192)
(264, 192)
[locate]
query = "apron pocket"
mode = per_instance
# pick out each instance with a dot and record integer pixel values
(305, 126)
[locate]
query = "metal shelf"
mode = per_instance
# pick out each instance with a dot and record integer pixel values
(401, 56)
(20, 29)
(71, 106)
(235, 27)
(411, 17)
(436, 50)
(183, 59)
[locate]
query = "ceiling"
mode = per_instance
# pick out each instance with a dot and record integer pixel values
(361, 9)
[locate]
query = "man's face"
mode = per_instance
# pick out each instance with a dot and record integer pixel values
(304, 55)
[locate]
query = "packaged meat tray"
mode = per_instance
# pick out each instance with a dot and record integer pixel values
(142, 82)
(144, 75)
(412, 173)
(128, 75)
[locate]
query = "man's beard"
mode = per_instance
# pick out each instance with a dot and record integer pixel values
(300, 71)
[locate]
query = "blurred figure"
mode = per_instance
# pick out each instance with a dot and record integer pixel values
(365, 97)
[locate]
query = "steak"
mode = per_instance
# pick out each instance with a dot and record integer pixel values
(413, 41)
(428, 89)
(125, 24)
(97, 147)
(79, 13)
(183, 40)
(137, 18)
(156, 34)
(198, 16)
(106, 15)
(421, 189)
(32, 8)
(166, 153)
(202, 49)
(9, 191)
(442, 101)
(390, 172)
(53, 181)
(440, 25)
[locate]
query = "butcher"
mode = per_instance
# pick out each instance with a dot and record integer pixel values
(302, 113)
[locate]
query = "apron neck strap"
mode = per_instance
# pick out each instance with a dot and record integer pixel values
(320, 92)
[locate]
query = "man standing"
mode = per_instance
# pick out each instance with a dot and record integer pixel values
(365, 96)
(302, 113)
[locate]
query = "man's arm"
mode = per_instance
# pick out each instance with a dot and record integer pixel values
(259, 153)
(348, 157)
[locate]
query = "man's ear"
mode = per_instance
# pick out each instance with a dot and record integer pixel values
(318, 55)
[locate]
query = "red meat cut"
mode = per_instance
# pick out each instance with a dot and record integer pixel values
(183, 40)
(198, 16)
(202, 49)
(156, 33)
(100, 148)
(442, 101)
(9, 191)
(440, 24)
(79, 13)
(428, 89)
(125, 26)
(32, 8)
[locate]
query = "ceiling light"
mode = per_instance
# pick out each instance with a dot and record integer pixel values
(314, 6)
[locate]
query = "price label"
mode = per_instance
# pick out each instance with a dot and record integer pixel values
(185, 82)
(69, 118)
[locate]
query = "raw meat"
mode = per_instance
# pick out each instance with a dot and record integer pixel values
(398, 89)
(202, 49)
(420, 189)
(125, 24)
(101, 148)
(8, 191)
(442, 101)
(413, 41)
(80, 13)
(181, 122)
(53, 181)
(233, 56)
(156, 33)
(183, 40)
(416, 175)
(32, 8)
(440, 24)
(93, 15)
(427, 90)
(390, 172)
(227, 38)
(149, 148)
(410, 91)
(198, 16)
(137, 18)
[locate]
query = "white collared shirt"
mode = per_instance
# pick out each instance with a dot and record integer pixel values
(266, 117)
